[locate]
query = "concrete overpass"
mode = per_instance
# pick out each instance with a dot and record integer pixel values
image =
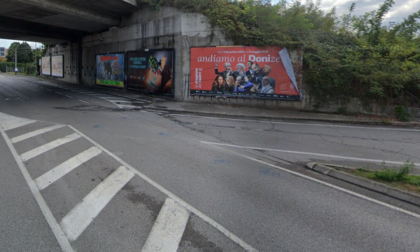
(60, 21)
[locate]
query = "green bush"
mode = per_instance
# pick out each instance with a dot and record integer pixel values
(393, 175)
(401, 114)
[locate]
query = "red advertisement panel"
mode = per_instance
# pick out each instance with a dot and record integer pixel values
(243, 71)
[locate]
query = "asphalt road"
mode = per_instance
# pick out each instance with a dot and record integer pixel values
(85, 170)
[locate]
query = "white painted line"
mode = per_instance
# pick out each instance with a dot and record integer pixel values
(319, 181)
(58, 93)
(328, 124)
(35, 133)
(129, 106)
(56, 229)
(68, 96)
(122, 101)
(190, 208)
(9, 122)
(79, 218)
(20, 95)
(49, 146)
(168, 228)
(309, 153)
(61, 170)
(84, 101)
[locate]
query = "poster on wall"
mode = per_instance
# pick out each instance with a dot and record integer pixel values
(151, 71)
(57, 66)
(110, 69)
(46, 65)
(244, 71)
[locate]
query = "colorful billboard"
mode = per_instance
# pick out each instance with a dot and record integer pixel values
(46, 65)
(110, 69)
(57, 66)
(244, 71)
(151, 71)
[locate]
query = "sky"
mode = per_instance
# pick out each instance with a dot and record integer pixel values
(400, 10)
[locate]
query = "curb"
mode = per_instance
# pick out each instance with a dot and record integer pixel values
(371, 185)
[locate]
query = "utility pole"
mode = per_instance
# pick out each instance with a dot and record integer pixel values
(15, 61)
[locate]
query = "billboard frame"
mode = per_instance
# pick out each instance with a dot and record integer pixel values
(259, 96)
(124, 79)
(62, 66)
(173, 72)
(42, 72)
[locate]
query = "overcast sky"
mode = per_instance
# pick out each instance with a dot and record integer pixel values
(400, 10)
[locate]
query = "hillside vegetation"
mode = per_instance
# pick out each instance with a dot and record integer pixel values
(344, 56)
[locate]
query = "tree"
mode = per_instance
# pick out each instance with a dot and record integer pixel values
(24, 53)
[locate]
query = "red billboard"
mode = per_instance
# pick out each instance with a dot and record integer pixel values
(243, 71)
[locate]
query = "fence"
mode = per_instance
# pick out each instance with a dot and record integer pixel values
(25, 68)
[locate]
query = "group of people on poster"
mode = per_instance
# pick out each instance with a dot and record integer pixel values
(250, 79)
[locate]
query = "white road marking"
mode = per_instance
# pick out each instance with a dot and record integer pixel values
(79, 218)
(129, 106)
(190, 208)
(84, 101)
(9, 122)
(309, 153)
(122, 101)
(69, 96)
(58, 93)
(49, 146)
(20, 95)
(319, 181)
(35, 133)
(329, 124)
(61, 170)
(168, 228)
(56, 229)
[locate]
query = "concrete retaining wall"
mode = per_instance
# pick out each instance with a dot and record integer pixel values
(146, 29)
(170, 28)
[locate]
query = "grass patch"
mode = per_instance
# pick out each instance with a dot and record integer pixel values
(398, 177)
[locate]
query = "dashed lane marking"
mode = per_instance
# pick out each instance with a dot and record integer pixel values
(61, 170)
(172, 218)
(56, 229)
(184, 204)
(168, 228)
(49, 146)
(35, 133)
(79, 218)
